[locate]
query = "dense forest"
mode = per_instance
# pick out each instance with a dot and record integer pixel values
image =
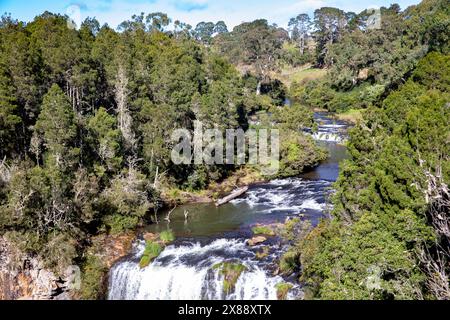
(86, 117)
(387, 236)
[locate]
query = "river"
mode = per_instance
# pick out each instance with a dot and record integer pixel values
(213, 235)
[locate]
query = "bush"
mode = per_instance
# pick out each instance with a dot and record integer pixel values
(289, 262)
(265, 230)
(93, 282)
(283, 290)
(167, 236)
(118, 223)
(151, 252)
(231, 273)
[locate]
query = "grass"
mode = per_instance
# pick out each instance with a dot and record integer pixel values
(152, 251)
(264, 230)
(167, 236)
(231, 273)
(283, 290)
(351, 115)
(300, 74)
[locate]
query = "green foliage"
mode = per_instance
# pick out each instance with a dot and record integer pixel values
(298, 152)
(93, 280)
(365, 63)
(289, 262)
(253, 43)
(369, 250)
(265, 230)
(106, 139)
(9, 120)
(231, 273)
(118, 223)
(151, 252)
(56, 124)
(283, 290)
(167, 236)
(86, 118)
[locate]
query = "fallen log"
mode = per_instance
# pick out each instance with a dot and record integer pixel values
(237, 193)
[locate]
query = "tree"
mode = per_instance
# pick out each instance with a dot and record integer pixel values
(56, 124)
(106, 139)
(254, 43)
(182, 29)
(204, 31)
(156, 21)
(329, 24)
(220, 28)
(385, 235)
(300, 27)
(9, 119)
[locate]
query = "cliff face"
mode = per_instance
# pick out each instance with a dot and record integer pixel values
(24, 277)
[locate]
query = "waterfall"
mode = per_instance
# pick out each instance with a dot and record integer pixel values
(186, 272)
(185, 269)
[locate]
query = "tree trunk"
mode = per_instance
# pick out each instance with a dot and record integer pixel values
(233, 195)
(258, 88)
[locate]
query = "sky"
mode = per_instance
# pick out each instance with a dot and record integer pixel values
(233, 12)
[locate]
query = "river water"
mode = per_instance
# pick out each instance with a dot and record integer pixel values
(213, 235)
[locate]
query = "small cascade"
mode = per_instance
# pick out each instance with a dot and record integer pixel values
(187, 271)
(330, 130)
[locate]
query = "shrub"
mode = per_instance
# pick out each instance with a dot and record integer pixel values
(283, 290)
(289, 261)
(167, 236)
(231, 273)
(93, 284)
(119, 223)
(265, 230)
(152, 251)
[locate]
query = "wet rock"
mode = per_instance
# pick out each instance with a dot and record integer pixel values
(150, 236)
(24, 277)
(256, 240)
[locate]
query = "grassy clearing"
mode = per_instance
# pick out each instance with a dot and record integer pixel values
(351, 115)
(300, 74)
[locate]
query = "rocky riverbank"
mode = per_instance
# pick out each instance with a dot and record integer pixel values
(24, 277)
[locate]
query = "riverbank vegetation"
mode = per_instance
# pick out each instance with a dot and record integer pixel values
(388, 238)
(230, 272)
(87, 114)
(86, 119)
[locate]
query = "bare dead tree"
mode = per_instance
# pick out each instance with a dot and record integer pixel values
(435, 262)
(167, 218)
(435, 265)
(124, 118)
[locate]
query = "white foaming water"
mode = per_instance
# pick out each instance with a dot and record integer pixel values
(312, 204)
(292, 195)
(328, 137)
(186, 272)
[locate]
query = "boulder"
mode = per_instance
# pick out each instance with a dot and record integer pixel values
(256, 240)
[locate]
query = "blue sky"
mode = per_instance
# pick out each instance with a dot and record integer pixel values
(232, 12)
